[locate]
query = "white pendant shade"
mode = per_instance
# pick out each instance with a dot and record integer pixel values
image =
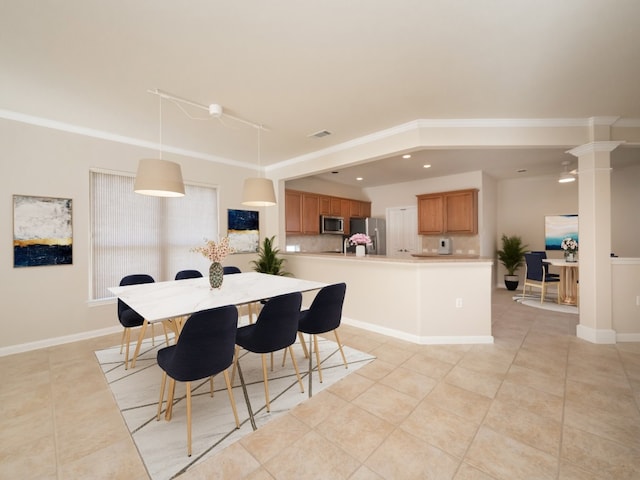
(159, 178)
(258, 192)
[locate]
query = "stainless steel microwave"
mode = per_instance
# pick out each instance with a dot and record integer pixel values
(333, 225)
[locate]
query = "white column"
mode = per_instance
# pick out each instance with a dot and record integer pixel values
(594, 210)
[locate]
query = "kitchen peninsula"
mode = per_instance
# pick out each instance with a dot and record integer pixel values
(425, 300)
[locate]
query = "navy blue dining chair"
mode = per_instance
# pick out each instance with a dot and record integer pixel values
(129, 318)
(230, 270)
(275, 329)
(205, 348)
(323, 316)
(535, 275)
(186, 274)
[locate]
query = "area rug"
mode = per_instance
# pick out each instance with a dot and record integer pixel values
(163, 444)
(552, 305)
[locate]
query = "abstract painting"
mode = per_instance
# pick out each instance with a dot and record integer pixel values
(558, 227)
(244, 230)
(42, 231)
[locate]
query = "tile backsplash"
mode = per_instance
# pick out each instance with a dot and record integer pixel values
(313, 243)
(460, 244)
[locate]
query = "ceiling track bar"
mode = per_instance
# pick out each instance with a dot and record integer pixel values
(207, 108)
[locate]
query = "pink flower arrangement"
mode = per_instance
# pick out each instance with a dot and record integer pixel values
(359, 239)
(215, 252)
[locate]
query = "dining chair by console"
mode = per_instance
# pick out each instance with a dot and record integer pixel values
(324, 315)
(275, 329)
(205, 348)
(548, 274)
(535, 275)
(129, 318)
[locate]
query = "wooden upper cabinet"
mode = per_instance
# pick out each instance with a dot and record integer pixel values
(310, 213)
(325, 205)
(293, 211)
(430, 214)
(358, 208)
(461, 215)
(365, 209)
(336, 206)
(448, 212)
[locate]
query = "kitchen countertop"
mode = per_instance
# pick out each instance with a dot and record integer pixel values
(414, 258)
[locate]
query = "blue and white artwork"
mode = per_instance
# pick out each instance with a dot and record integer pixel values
(559, 227)
(42, 231)
(243, 230)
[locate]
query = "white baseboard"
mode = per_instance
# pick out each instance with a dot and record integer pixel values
(628, 337)
(51, 342)
(594, 335)
(420, 340)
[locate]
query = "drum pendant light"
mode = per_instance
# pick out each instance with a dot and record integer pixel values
(258, 191)
(157, 177)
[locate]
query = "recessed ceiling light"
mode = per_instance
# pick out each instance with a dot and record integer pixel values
(335, 171)
(426, 166)
(406, 156)
(521, 170)
(359, 179)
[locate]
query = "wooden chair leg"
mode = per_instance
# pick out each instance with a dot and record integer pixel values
(172, 390)
(344, 359)
(235, 365)
(231, 398)
(143, 329)
(126, 347)
(295, 366)
(188, 418)
(266, 381)
(211, 384)
(124, 331)
(304, 345)
(162, 385)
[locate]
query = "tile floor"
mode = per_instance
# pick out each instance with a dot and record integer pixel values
(539, 403)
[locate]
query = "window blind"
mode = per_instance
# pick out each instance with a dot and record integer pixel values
(132, 233)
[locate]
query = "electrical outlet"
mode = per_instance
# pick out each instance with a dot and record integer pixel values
(458, 303)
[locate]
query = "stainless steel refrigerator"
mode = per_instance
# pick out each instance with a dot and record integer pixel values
(376, 228)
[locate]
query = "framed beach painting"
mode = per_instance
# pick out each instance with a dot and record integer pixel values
(558, 227)
(243, 230)
(42, 231)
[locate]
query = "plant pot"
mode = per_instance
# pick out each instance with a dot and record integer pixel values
(511, 282)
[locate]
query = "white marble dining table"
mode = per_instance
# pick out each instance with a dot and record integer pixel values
(162, 301)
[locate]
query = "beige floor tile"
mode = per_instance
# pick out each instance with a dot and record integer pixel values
(569, 471)
(407, 381)
(488, 359)
(505, 458)
(605, 397)
(609, 424)
(117, 461)
(355, 431)
(234, 462)
(317, 408)
(462, 402)
(599, 455)
(545, 362)
(270, 439)
(440, 428)
(467, 472)
(520, 424)
(20, 459)
(530, 399)
(402, 457)
(484, 383)
(393, 355)
(552, 384)
(387, 403)
(350, 387)
(312, 456)
(429, 366)
(446, 353)
(376, 370)
(365, 473)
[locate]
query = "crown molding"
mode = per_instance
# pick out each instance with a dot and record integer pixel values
(607, 146)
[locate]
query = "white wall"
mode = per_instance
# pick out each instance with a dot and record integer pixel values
(41, 303)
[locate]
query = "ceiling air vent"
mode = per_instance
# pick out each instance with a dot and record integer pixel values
(320, 134)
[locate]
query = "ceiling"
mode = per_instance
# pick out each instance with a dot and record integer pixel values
(352, 68)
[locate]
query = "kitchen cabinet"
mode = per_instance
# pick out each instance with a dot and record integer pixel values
(453, 212)
(325, 205)
(359, 209)
(302, 213)
(336, 206)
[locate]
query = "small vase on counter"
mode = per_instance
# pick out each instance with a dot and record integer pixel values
(360, 251)
(570, 257)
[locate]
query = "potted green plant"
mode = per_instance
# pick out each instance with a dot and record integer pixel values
(511, 255)
(268, 260)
